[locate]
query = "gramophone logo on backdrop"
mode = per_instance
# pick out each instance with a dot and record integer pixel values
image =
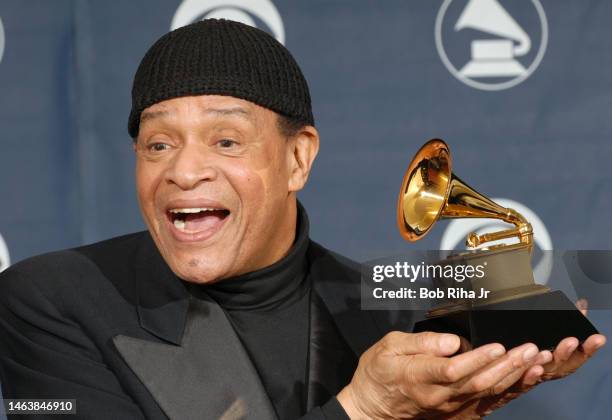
(456, 231)
(5, 260)
(489, 46)
(261, 14)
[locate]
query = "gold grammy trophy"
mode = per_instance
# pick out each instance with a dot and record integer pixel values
(517, 310)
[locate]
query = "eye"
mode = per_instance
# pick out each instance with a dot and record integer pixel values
(227, 143)
(158, 147)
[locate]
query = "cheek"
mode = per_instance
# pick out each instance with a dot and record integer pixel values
(261, 182)
(273, 170)
(247, 181)
(260, 193)
(147, 180)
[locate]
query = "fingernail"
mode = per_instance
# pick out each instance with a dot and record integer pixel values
(448, 342)
(498, 351)
(573, 347)
(546, 356)
(530, 353)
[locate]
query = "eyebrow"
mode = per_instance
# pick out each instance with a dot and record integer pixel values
(148, 115)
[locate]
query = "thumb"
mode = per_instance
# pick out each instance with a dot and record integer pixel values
(431, 343)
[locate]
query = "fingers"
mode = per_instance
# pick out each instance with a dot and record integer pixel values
(565, 348)
(568, 356)
(533, 374)
(503, 373)
(430, 343)
(568, 346)
(443, 370)
(544, 357)
(460, 366)
(513, 378)
(593, 343)
(519, 380)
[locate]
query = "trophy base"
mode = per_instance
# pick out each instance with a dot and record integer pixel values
(510, 324)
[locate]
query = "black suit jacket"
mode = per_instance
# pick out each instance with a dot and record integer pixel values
(110, 325)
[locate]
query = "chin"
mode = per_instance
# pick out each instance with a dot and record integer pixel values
(198, 278)
(196, 268)
(192, 261)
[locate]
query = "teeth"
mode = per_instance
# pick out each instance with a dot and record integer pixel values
(179, 224)
(192, 210)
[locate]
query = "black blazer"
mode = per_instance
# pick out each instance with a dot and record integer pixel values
(110, 325)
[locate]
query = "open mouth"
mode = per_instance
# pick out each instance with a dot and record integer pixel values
(199, 219)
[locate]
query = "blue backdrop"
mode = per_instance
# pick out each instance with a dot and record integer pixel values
(520, 89)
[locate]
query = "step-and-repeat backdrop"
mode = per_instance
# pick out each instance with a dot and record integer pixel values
(520, 89)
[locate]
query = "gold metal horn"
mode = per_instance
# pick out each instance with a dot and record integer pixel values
(430, 191)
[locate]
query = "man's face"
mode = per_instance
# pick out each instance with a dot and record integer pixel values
(216, 182)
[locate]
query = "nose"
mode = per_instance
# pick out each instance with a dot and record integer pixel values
(190, 166)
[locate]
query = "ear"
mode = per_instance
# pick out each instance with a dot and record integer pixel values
(302, 151)
(135, 142)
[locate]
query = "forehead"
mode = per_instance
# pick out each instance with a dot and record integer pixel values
(206, 105)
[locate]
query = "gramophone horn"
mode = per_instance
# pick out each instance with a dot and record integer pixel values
(431, 191)
(424, 190)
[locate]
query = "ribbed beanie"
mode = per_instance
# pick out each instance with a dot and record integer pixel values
(221, 57)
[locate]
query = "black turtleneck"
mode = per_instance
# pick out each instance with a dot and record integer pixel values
(269, 310)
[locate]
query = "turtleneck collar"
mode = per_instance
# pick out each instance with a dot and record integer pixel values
(272, 287)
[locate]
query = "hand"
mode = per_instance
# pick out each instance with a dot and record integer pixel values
(412, 376)
(502, 393)
(568, 355)
(566, 359)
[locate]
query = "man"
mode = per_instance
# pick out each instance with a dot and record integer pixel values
(224, 308)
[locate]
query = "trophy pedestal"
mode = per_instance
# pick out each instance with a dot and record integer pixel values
(543, 319)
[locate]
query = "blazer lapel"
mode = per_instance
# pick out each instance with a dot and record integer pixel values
(198, 369)
(339, 330)
(209, 376)
(331, 362)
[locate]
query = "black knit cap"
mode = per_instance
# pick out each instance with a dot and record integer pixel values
(221, 57)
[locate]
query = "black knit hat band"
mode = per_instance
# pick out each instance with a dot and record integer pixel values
(221, 57)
